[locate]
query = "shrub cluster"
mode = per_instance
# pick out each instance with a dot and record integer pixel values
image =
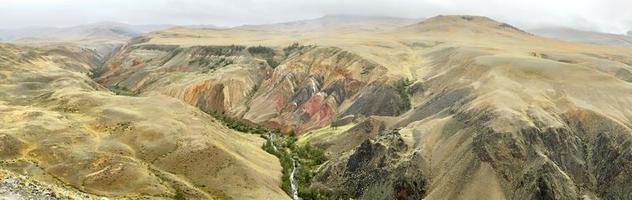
(242, 125)
(294, 47)
(120, 91)
(261, 50)
(403, 88)
(266, 53)
(219, 50)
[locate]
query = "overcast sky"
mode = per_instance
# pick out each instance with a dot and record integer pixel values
(614, 16)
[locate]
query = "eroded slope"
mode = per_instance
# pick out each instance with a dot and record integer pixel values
(60, 127)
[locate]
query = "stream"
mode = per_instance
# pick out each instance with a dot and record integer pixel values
(293, 184)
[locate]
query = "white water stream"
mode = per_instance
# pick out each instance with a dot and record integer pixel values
(293, 184)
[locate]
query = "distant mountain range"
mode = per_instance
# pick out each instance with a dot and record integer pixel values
(101, 37)
(337, 23)
(100, 29)
(570, 34)
(115, 32)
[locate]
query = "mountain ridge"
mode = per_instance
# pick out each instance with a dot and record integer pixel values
(571, 34)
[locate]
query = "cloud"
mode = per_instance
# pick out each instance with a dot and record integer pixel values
(600, 15)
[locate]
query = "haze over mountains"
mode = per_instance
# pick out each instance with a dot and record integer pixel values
(339, 107)
(102, 37)
(584, 36)
(119, 33)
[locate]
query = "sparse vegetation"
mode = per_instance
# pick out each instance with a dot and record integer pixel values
(179, 195)
(242, 125)
(157, 47)
(294, 47)
(366, 69)
(403, 88)
(272, 63)
(266, 53)
(219, 50)
(468, 18)
(121, 91)
(261, 50)
(211, 63)
(139, 40)
(171, 55)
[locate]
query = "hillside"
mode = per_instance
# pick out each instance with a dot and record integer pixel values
(450, 107)
(60, 128)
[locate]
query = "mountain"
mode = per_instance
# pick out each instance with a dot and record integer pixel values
(451, 107)
(87, 31)
(444, 106)
(570, 34)
(337, 23)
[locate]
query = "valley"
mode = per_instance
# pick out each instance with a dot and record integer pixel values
(448, 107)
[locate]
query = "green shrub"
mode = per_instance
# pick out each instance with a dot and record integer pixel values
(403, 88)
(120, 91)
(266, 53)
(367, 69)
(293, 48)
(218, 50)
(312, 154)
(261, 50)
(272, 63)
(241, 125)
(179, 195)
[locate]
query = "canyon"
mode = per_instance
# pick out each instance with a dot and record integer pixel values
(449, 107)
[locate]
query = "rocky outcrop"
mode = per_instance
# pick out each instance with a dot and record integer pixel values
(309, 87)
(364, 130)
(485, 132)
(308, 90)
(377, 169)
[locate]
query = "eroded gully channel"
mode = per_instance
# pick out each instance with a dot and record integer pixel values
(104, 59)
